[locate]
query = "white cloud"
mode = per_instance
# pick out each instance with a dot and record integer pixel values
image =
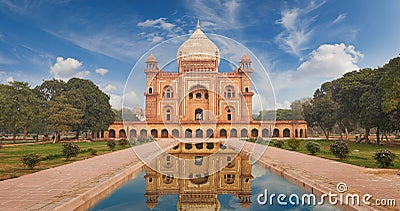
(101, 71)
(67, 68)
(283, 105)
(339, 18)
(325, 63)
(116, 101)
(110, 88)
(10, 79)
(82, 74)
(331, 61)
(129, 100)
(157, 23)
(297, 28)
(156, 39)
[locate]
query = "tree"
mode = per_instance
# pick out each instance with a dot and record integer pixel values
(297, 108)
(19, 105)
(390, 84)
(61, 115)
(93, 104)
(322, 110)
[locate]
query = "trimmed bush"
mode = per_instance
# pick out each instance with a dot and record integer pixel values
(313, 147)
(259, 140)
(31, 160)
(70, 150)
(111, 145)
(384, 158)
(53, 156)
(122, 142)
(132, 141)
(340, 149)
(294, 144)
(92, 151)
(251, 140)
(279, 143)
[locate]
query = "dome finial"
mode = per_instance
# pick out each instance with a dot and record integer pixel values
(198, 24)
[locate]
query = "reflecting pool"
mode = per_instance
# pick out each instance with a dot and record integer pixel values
(235, 184)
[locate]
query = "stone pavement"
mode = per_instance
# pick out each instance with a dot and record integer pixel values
(34, 189)
(326, 174)
(37, 190)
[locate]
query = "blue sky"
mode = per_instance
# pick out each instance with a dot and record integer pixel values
(300, 43)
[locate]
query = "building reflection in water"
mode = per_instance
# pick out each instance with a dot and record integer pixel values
(197, 173)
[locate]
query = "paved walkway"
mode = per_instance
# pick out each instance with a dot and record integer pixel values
(381, 183)
(35, 190)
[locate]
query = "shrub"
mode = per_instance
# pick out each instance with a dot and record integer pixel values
(132, 141)
(384, 158)
(251, 139)
(340, 149)
(123, 142)
(313, 147)
(92, 151)
(53, 156)
(111, 145)
(294, 144)
(259, 140)
(279, 143)
(70, 150)
(31, 160)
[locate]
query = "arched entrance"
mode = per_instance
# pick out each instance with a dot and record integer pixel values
(265, 132)
(111, 133)
(199, 133)
(132, 133)
(164, 133)
(122, 133)
(233, 133)
(210, 133)
(286, 132)
(143, 133)
(175, 133)
(154, 133)
(301, 133)
(254, 133)
(188, 133)
(296, 133)
(222, 133)
(275, 133)
(198, 114)
(243, 133)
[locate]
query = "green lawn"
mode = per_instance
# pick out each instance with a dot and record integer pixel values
(10, 156)
(361, 154)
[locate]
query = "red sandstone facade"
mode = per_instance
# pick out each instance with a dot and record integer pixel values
(198, 101)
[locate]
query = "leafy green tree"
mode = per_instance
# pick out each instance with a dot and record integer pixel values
(61, 115)
(322, 110)
(19, 105)
(93, 104)
(297, 108)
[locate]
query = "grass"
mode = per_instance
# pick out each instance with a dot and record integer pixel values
(51, 155)
(360, 155)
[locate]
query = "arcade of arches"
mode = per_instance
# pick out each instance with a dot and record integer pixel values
(281, 129)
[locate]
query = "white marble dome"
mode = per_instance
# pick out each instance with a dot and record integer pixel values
(198, 47)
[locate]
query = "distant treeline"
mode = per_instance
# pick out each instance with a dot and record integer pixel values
(367, 98)
(56, 106)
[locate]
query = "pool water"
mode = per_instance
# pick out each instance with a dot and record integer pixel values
(131, 195)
